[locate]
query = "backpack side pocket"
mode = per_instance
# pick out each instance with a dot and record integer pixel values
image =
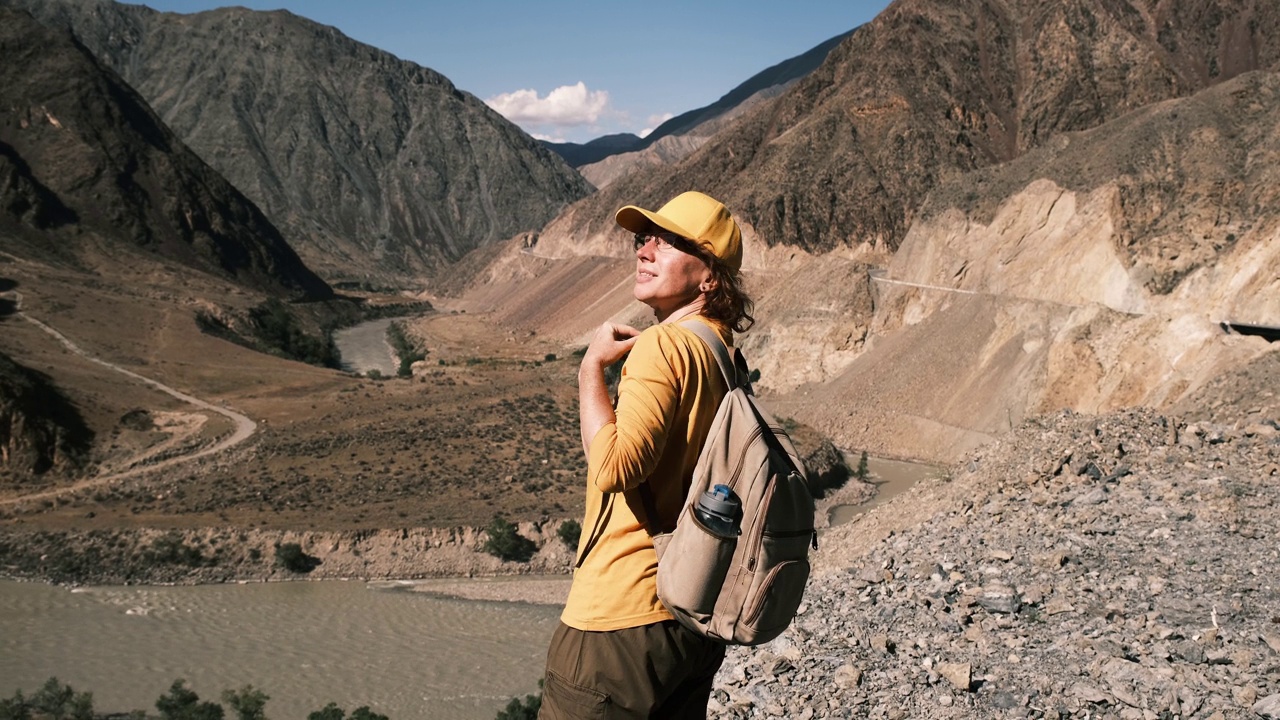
(692, 567)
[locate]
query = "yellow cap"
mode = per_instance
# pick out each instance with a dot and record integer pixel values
(698, 217)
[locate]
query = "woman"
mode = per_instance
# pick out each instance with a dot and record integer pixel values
(618, 653)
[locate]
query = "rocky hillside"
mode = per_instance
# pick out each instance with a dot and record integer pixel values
(1115, 566)
(1090, 274)
(40, 430)
(931, 88)
(370, 165)
(1079, 268)
(86, 168)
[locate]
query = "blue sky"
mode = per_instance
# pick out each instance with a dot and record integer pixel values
(573, 71)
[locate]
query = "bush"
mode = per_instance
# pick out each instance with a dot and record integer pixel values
(328, 712)
(248, 703)
(53, 700)
(276, 327)
(333, 712)
(527, 710)
(516, 710)
(569, 533)
(549, 357)
(182, 703)
(863, 471)
(291, 557)
(505, 543)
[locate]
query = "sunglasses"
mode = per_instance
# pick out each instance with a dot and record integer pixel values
(666, 240)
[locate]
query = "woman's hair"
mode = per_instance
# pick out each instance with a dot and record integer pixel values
(727, 303)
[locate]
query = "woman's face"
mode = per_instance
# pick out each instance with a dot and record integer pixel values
(668, 278)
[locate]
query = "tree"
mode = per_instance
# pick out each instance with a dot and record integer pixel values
(863, 471)
(15, 708)
(248, 703)
(182, 703)
(505, 543)
(59, 701)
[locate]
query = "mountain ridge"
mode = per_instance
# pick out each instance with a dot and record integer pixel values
(928, 90)
(373, 167)
(86, 161)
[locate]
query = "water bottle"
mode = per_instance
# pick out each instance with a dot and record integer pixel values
(719, 511)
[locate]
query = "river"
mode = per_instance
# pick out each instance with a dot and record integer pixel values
(891, 478)
(406, 655)
(364, 347)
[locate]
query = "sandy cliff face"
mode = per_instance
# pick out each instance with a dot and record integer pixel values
(1109, 294)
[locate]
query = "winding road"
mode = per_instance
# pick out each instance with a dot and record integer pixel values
(244, 426)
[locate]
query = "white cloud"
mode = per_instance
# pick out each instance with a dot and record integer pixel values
(654, 122)
(566, 106)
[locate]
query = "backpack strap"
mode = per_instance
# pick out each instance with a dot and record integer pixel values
(733, 368)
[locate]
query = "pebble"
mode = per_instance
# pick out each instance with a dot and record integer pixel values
(1136, 591)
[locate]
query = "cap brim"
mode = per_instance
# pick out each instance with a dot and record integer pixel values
(637, 219)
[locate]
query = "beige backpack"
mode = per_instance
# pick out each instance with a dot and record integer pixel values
(743, 589)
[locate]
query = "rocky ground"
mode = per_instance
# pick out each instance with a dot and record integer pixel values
(1122, 566)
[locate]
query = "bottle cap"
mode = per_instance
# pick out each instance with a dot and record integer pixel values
(721, 501)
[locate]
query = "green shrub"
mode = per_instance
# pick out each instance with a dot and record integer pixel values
(276, 327)
(333, 712)
(291, 557)
(182, 703)
(569, 532)
(248, 703)
(328, 712)
(527, 710)
(505, 543)
(53, 700)
(171, 549)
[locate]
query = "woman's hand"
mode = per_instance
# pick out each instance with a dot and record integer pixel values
(610, 343)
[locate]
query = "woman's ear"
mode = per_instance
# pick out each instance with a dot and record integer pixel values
(708, 284)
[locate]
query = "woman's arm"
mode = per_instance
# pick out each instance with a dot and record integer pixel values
(610, 343)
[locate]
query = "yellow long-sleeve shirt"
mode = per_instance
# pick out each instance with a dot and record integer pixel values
(668, 395)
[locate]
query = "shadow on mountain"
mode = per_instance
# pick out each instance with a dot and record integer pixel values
(40, 428)
(84, 160)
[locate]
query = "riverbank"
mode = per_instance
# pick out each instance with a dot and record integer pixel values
(195, 556)
(1113, 566)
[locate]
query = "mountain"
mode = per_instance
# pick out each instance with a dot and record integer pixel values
(700, 122)
(775, 76)
(930, 89)
(976, 212)
(370, 165)
(579, 154)
(87, 167)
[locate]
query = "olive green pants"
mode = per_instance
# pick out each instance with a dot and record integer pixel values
(652, 671)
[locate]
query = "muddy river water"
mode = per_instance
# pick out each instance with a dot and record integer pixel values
(305, 644)
(406, 655)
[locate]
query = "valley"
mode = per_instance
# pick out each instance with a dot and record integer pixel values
(1012, 240)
